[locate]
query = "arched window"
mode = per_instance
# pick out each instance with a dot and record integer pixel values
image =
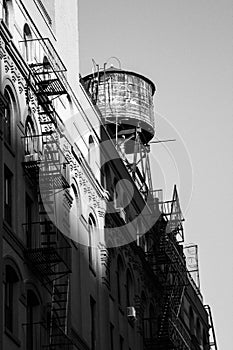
(10, 296)
(143, 313)
(126, 202)
(31, 142)
(8, 118)
(91, 146)
(29, 214)
(91, 241)
(129, 289)
(8, 191)
(142, 239)
(198, 331)
(119, 278)
(27, 37)
(191, 320)
(46, 69)
(74, 213)
(6, 12)
(33, 317)
(107, 177)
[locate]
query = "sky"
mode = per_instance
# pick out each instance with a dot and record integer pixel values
(185, 48)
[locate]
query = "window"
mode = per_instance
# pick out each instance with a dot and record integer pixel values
(111, 336)
(8, 117)
(129, 289)
(10, 306)
(74, 212)
(198, 331)
(107, 178)
(91, 155)
(119, 274)
(93, 323)
(5, 12)
(28, 205)
(27, 37)
(91, 231)
(191, 320)
(32, 320)
(46, 69)
(145, 320)
(121, 343)
(7, 196)
(31, 146)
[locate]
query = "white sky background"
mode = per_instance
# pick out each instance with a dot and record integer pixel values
(185, 48)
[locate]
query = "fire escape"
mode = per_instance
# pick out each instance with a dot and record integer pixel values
(167, 260)
(48, 251)
(213, 341)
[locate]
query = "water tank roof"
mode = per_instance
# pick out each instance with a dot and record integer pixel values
(113, 69)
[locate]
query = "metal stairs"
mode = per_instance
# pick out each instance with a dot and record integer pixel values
(49, 251)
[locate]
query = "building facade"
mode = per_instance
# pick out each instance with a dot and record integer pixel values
(91, 255)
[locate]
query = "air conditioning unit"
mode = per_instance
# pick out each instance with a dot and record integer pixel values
(131, 312)
(34, 157)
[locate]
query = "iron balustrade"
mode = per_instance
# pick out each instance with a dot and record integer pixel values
(47, 248)
(47, 68)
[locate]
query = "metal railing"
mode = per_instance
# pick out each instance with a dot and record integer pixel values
(35, 50)
(46, 65)
(46, 240)
(178, 333)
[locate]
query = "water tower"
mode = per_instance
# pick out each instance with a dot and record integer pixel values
(125, 100)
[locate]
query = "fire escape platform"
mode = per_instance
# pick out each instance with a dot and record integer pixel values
(44, 257)
(53, 180)
(50, 86)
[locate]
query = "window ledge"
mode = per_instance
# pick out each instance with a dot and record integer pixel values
(12, 337)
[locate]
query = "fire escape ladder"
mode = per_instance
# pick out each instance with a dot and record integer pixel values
(59, 308)
(54, 165)
(48, 250)
(148, 172)
(213, 340)
(169, 254)
(179, 300)
(171, 305)
(163, 329)
(176, 295)
(174, 216)
(172, 334)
